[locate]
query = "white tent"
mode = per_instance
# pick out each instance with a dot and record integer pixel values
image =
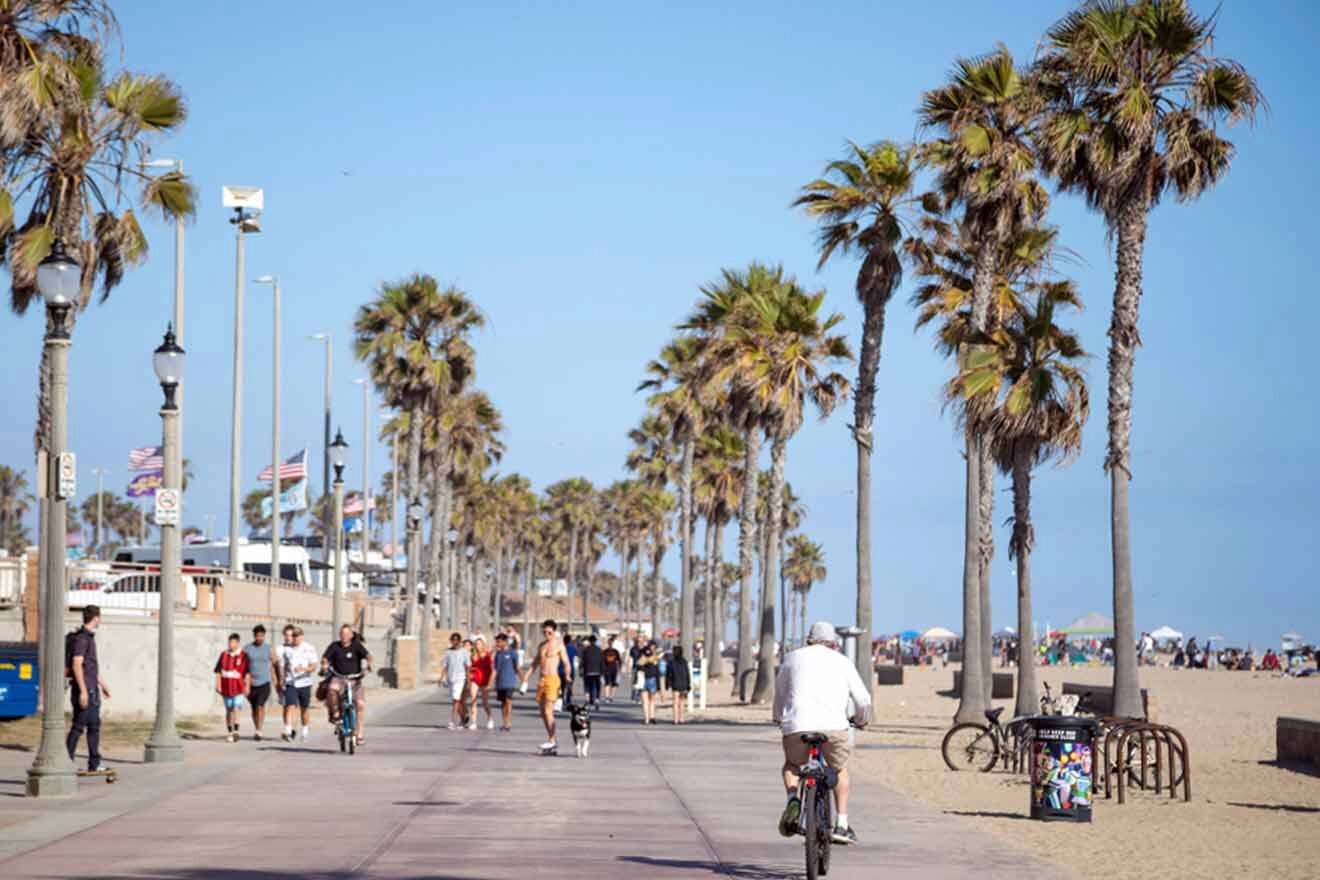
(938, 634)
(1166, 634)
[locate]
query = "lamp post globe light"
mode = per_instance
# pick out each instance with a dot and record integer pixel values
(338, 455)
(59, 280)
(164, 744)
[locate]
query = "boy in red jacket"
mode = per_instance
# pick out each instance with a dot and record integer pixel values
(231, 683)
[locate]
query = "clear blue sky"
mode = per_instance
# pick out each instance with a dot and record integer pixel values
(580, 170)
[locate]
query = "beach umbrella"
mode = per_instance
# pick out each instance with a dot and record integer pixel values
(1165, 634)
(909, 635)
(938, 634)
(1006, 633)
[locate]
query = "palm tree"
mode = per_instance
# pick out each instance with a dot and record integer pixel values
(676, 378)
(1133, 94)
(414, 340)
(15, 502)
(1027, 388)
(985, 163)
(863, 202)
(718, 484)
(571, 501)
(804, 566)
(774, 356)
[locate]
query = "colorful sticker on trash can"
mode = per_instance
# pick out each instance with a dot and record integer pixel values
(1062, 777)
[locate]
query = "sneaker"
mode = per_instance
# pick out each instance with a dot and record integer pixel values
(306, 734)
(788, 820)
(287, 736)
(256, 737)
(490, 723)
(844, 836)
(452, 726)
(472, 725)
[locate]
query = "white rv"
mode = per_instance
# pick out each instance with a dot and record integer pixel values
(254, 557)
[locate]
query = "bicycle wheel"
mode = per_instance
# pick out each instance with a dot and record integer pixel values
(970, 746)
(811, 833)
(342, 745)
(824, 830)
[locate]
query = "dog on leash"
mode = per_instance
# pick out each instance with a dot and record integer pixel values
(580, 724)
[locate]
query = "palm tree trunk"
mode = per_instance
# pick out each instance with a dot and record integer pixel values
(527, 598)
(412, 621)
(572, 570)
(622, 598)
(435, 545)
(1023, 537)
(1123, 342)
(873, 331)
(687, 598)
(986, 550)
(802, 620)
(639, 577)
(746, 549)
(765, 668)
(657, 587)
(971, 699)
(710, 594)
(783, 590)
(586, 594)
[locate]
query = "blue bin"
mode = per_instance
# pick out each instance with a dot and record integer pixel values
(18, 679)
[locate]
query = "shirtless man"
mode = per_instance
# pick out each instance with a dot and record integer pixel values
(548, 657)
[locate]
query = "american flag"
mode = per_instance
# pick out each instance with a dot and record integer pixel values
(147, 458)
(292, 468)
(353, 504)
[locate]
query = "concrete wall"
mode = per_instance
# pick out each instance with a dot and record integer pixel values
(127, 650)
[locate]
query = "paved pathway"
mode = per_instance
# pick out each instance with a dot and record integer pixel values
(419, 801)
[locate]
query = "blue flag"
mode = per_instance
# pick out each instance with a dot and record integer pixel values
(291, 500)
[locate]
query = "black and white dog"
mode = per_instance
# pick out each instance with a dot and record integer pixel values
(580, 724)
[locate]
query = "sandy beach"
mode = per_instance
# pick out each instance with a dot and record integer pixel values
(1247, 818)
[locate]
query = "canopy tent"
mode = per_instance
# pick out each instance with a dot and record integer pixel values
(1006, 633)
(1291, 641)
(1093, 623)
(938, 634)
(909, 635)
(1166, 634)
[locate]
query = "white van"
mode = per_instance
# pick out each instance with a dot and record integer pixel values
(254, 557)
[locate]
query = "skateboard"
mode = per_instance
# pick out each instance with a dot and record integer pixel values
(109, 773)
(549, 751)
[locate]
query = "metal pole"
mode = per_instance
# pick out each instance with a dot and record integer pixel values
(236, 408)
(325, 474)
(341, 568)
(178, 301)
(394, 509)
(366, 475)
(418, 611)
(164, 745)
(52, 773)
(275, 451)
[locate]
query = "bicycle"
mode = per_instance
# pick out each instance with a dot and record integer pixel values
(346, 729)
(976, 746)
(816, 782)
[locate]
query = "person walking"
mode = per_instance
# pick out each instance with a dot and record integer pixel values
(231, 683)
(569, 670)
(648, 669)
(611, 660)
(261, 671)
(678, 676)
(481, 676)
(634, 667)
(454, 668)
(298, 665)
(87, 687)
(592, 665)
(506, 678)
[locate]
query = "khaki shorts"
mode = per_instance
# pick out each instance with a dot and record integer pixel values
(835, 748)
(548, 690)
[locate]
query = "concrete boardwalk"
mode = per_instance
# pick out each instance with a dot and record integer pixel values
(420, 801)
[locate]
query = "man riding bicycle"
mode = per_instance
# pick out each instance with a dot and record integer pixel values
(816, 689)
(344, 658)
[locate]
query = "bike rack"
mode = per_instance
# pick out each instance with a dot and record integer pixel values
(1122, 732)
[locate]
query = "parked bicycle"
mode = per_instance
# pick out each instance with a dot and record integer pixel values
(975, 746)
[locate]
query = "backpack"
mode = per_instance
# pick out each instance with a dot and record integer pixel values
(68, 655)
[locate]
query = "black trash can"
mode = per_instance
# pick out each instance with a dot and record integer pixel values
(1062, 767)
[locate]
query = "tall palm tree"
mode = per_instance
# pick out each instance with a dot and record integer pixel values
(863, 202)
(14, 504)
(414, 339)
(804, 566)
(676, 378)
(777, 353)
(985, 165)
(572, 502)
(1133, 94)
(1027, 388)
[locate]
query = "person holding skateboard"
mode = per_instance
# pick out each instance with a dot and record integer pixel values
(550, 657)
(87, 688)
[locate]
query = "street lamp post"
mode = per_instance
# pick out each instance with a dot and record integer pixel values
(274, 283)
(164, 745)
(338, 453)
(59, 279)
(245, 222)
(419, 613)
(325, 445)
(448, 602)
(366, 469)
(471, 553)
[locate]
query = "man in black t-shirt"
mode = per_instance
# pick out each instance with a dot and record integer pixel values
(346, 657)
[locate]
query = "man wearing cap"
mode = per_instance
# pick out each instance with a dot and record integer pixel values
(818, 690)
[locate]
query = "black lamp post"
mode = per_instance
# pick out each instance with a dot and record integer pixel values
(338, 455)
